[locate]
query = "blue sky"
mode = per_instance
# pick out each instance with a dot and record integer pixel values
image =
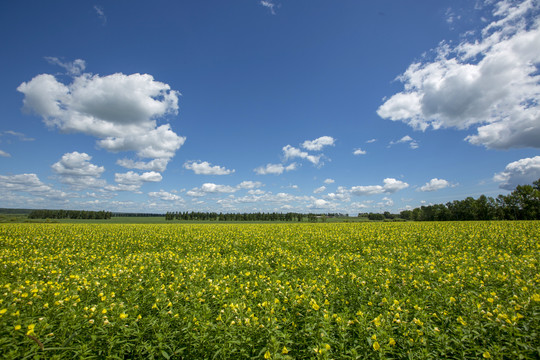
(309, 106)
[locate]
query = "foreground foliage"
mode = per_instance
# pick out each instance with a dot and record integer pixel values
(272, 291)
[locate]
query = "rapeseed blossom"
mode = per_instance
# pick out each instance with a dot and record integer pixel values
(290, 288)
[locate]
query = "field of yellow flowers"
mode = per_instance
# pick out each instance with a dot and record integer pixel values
(462, 290)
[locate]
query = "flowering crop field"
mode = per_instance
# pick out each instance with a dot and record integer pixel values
(462, 290)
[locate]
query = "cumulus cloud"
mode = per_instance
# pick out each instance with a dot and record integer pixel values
(520, 172)
(291, 152)
(30, 184)
(76, 170)
(276, 169)
(389, 186)
(248, 185)
(413, 144)
(319, 189)
(210, 188)
(341, 194)
(132, 181)
(205, 168)
(435, 184)
(490, 84)
(359, 152)
(120, 110)
(4, 154)
(165, 196)
(320, 204)
(158, 165)
(329, 181)
(318, 144)
(77, 164)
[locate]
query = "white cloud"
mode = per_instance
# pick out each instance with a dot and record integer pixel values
(72, 68)
(435, 184)
(205, 168)
(101, 14)
(4, 154)
(291, 152)
(359, 152)
(75, 169)
(276, 169)
(371, 141)
(491, 83)
(413, 144)
(28, 183)
(248, 185)
(320, 204)
(132, 181)
(21, 136)
(211, 188)
(256, 192)
(341, 194)
(158, 165)
(120, 110)
(215, 188)
(387, 202)
(520, 172)
(318, 144)
(329, 181)
(269, 4)
(319, 189)
(390, 186)
(77, 164)
(165, 196)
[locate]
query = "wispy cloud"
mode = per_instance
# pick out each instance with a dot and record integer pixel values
(19, 135)
(73, 68)
(269, 5)
(101, 14)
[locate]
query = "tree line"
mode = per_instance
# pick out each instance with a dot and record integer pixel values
(213, 216)
(521, 204)
(69, 214)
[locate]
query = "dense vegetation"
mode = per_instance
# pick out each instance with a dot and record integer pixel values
(459, 290)
(521, 204)
(69, 214)
(213, 216)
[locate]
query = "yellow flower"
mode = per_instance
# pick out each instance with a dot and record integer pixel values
(123, 315)
(315, 306)
(452, 299)
(376, 346)
(284, 350)
(17, 327)
(391, 342)
(3, 311)
(486, 355)
(104, 311)
(267, 354)
(31, 329)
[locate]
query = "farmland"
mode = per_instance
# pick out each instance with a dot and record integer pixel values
(272, 291)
